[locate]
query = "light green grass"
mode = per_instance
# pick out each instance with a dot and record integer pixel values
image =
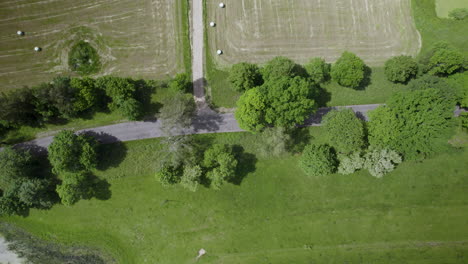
(416, 214)
(444, 7)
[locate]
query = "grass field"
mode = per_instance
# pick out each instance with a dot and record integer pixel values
(416, 214)
(256, 31)
(443, 7)
(141, 39)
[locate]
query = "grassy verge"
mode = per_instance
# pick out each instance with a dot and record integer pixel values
(182, 14)
(416, 214)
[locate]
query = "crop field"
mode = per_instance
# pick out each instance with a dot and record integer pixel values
(443, 7)
(257, 30)
(141, 39)
(415, 214)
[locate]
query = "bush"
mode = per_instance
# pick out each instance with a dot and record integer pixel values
(350, 164)
(280, 67)
(245, 76)
(348, 70)
(181, 83)
(381, 161)
(401, 69)
(87, 93)
(83, 58)
(459, 13)
(221, 164)
(168, 175)
(318, 160)
(318, 70)
(444, 60)
(191, 177)
(345, 131)
(131, 108)
(445, 89)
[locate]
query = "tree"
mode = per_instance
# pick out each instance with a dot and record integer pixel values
(318, 160)
(69, 193)
(401, 69)
(250, 112)
(289, 101)
(176, 113)
(83, 58)
(10, 205)
(445, 60)
(179, 150)
(381, 161)
(220, 163)
(181, 83)
(69, 152)
(131, 109)
(191, 177)
(345, 131)
(458, 84)
(245, 76)
(351, 163)
(459, 13)
(168, 175)
(36, 193)
(348, 70)
(17, 108)
(281, 67)
(318, 70)
(410, 122)
(15, 166)
(444, 88)
(87, 93)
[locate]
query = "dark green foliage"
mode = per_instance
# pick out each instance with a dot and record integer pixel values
(168, 175)
(345, 130)
(459, 13)
(69, 152)
(459, 83)
(220, 164)
(280, 67)
(401, 69)
(444, 88)
(245, 76)
(15, 166)
(41, 251)
(281, 102)
(36, 193)
(87, 96)
(181, 83)
(318, 70)
(17, 108)
(443, 60)
(464, 121)
(83, 58)
(122, 92)
(348, 70)
(318, 160)
(410, 122)
(10, 205)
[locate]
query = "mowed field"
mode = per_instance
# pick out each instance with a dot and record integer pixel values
(257, 30)
(443, 7)
(141, 39)
(416, 214)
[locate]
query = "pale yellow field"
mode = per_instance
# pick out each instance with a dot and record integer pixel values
(136, 38)
(257, 30)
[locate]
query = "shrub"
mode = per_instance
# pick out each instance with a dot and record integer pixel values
(245, 76)
(220, 163)
(381, 161)
(445, 60)
(348, 70)
(459, 13)
(280, 67)
(401, 69)
(168, 175)
(345, 131)
(318, 70)
(318, 160)
(87, 93)
(350, 164)
(191, 177)
(69, 193)
(181, 83)
(83, 58)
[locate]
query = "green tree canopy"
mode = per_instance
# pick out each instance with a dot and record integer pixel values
(381, 161)
(318, 70)
(348, 70)
(69, 152)
(345, 131)
(168, 175)
(250, 112)
(191, 177)
(220, 163)
(177, 112)
(88, 93)
(444, 88)
(181, 83)
(401, 69)
(15, 166)
(410, 122)
(245, 76)
(318, 160)
(445, 60)
(280, 67)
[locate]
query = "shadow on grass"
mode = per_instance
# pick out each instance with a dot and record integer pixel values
(144, 92)
(366, 81)
(246, 164)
